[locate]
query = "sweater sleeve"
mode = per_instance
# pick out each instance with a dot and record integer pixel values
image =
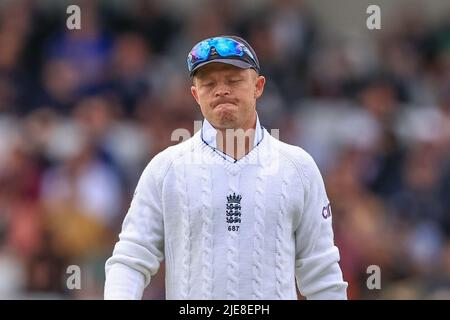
(317, 270)
(137, 255)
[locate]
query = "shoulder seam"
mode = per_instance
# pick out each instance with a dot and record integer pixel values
(298, 166)
(169, 166)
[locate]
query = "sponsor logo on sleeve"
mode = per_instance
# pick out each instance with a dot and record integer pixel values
(326, 211)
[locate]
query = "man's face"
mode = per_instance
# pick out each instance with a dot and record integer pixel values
(227, 95)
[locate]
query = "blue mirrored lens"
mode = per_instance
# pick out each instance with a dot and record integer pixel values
(227, 48)
(201, 51)
(224, 47)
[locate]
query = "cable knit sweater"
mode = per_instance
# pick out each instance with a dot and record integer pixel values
(247, 229)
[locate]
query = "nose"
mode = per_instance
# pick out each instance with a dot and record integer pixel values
(222, 90)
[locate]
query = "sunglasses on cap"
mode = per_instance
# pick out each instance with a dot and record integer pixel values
(224, 48)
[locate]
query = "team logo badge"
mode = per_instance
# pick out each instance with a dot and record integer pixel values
(233, 211)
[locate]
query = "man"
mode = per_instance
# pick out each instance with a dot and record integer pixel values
(236, 213)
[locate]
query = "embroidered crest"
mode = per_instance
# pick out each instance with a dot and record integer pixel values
(233, 211)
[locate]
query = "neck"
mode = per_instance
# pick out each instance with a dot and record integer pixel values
(237, 142)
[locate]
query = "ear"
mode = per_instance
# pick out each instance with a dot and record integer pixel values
(194, 93)
(259, 86)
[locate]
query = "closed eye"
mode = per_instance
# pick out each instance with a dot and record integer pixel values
(208, 84)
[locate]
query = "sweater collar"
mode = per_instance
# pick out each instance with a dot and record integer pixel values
(208, 135)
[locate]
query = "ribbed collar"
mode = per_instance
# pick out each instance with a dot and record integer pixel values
(209, 133)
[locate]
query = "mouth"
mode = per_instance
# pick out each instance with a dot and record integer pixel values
(224, 105)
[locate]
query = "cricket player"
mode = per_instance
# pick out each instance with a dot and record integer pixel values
(234, 212)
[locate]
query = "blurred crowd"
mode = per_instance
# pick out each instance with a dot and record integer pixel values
(83, 111)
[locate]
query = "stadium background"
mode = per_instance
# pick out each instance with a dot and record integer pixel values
(82, 112)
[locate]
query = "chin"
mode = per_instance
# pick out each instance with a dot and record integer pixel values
(227, 119)
(225, 115)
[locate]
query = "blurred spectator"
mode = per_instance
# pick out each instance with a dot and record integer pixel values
(77, 60)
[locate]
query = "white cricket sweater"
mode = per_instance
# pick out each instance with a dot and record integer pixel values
(249, 229)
